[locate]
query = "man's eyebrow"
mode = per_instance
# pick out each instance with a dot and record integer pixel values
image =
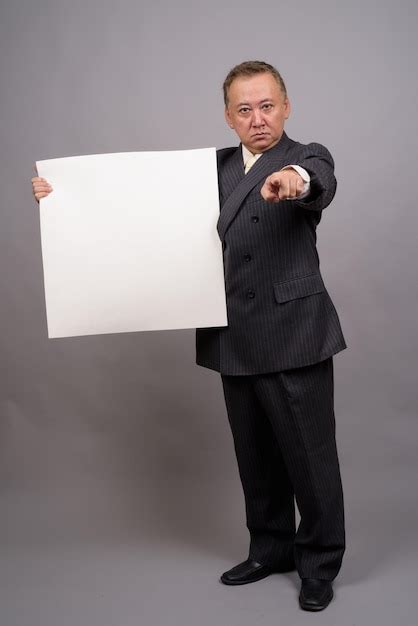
(240, 104)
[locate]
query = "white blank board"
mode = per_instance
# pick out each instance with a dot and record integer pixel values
(129, 242)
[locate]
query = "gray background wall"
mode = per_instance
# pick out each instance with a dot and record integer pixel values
(120, 499)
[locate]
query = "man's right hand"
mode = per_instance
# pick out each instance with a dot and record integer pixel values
(40, 187)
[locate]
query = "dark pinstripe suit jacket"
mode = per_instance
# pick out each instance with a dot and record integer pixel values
(280, 315)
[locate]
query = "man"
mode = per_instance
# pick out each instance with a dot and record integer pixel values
(275, 355)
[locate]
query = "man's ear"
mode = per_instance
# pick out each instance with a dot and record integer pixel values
(288, 107)
(228, 118)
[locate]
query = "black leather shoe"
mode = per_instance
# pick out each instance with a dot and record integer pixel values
(315, 594)
(250, 571)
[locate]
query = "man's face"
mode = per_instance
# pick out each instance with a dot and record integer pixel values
(257, 110)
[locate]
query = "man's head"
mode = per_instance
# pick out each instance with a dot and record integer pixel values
(256, 104)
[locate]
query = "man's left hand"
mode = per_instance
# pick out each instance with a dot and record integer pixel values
(282, 185)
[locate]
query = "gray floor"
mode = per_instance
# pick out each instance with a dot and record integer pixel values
(171, 584)
(72, 556)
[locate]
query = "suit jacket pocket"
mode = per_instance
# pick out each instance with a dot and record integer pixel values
(298, 288)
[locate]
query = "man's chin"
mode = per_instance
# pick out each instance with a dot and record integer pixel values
(262, 143)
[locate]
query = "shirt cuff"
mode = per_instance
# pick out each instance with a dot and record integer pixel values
(306, 180)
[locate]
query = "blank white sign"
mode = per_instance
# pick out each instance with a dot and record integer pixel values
(129, 242)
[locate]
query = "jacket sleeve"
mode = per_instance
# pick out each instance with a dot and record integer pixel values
(318, 162)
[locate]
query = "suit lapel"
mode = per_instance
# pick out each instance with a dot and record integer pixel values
(231, 174)
(269, 162)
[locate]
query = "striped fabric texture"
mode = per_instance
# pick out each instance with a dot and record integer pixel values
(275, 358)
(284, 435)
(280, 315)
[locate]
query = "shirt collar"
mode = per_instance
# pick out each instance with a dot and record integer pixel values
(247, 155)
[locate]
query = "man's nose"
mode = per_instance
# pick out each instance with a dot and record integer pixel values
(257, 118)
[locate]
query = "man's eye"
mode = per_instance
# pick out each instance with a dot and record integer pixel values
(267, 106)
(244, 110)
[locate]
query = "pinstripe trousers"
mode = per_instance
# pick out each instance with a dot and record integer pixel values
(283, 428)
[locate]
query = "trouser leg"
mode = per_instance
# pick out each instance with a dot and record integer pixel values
(269, 498)
(299, 404)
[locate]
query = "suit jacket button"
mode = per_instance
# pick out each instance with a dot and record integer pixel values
(255, 219)
(247, 257)
(250, 294)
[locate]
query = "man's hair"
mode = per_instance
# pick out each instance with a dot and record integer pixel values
(250, 68)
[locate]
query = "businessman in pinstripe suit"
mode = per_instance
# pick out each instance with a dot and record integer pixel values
(275, 355)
